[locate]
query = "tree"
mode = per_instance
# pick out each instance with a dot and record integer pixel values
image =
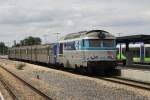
(30, 41)
(3, 48)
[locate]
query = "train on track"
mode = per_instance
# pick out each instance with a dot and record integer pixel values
(86, 51)
(136, 53)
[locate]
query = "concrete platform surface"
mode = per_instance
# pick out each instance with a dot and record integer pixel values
(137, 74)
(136, 66)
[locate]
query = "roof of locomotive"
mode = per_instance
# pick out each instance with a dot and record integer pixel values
(92, 33)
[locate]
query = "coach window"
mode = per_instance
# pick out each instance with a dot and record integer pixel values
(26, 51)
(41, 51)
(45, 50)
(61, 48)
(69, 45)
(38, 52)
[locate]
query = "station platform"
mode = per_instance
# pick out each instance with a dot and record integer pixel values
(135, 66)
(4, 56)
(135, 72)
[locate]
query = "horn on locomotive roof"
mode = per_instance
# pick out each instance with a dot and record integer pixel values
(101, 33)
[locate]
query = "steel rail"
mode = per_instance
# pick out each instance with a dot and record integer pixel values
(128, 82)
(29, 85)
(9, 90)
(124, 81)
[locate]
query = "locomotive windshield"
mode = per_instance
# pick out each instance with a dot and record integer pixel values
(108, 43)
(101, 43)
(95, 43)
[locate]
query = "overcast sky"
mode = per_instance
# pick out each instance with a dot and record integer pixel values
(22, 18)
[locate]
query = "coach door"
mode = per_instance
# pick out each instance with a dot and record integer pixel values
(55, 54)
(60, 55)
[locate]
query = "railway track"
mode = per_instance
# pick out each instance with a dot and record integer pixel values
(9, 90)
(128, 82)
(14, 96)
(119, 80)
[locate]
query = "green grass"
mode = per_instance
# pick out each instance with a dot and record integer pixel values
(20, 66)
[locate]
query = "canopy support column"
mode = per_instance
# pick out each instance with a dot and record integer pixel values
(129, 55)
(142, 53)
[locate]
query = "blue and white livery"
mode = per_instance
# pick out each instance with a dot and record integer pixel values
(94, 50)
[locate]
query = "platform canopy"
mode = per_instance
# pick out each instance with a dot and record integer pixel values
(134, 39)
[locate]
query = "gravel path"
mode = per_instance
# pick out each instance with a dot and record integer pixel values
(67, 86)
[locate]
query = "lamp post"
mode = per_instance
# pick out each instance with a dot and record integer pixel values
(57, 35)
(56, 49)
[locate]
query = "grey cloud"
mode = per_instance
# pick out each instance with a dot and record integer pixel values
(21, 18)
(129, 22)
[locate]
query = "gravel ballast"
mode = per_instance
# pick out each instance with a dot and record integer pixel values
(4, 93)
(62, 85)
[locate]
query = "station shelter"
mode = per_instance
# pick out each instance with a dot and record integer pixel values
(144, 39)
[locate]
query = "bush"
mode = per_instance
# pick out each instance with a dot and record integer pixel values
(20, 66)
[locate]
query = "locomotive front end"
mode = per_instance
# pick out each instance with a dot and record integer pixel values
(100, 51)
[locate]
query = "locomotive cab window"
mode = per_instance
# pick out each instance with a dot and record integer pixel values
(95, 43)
(108, 43)
(83, 43)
